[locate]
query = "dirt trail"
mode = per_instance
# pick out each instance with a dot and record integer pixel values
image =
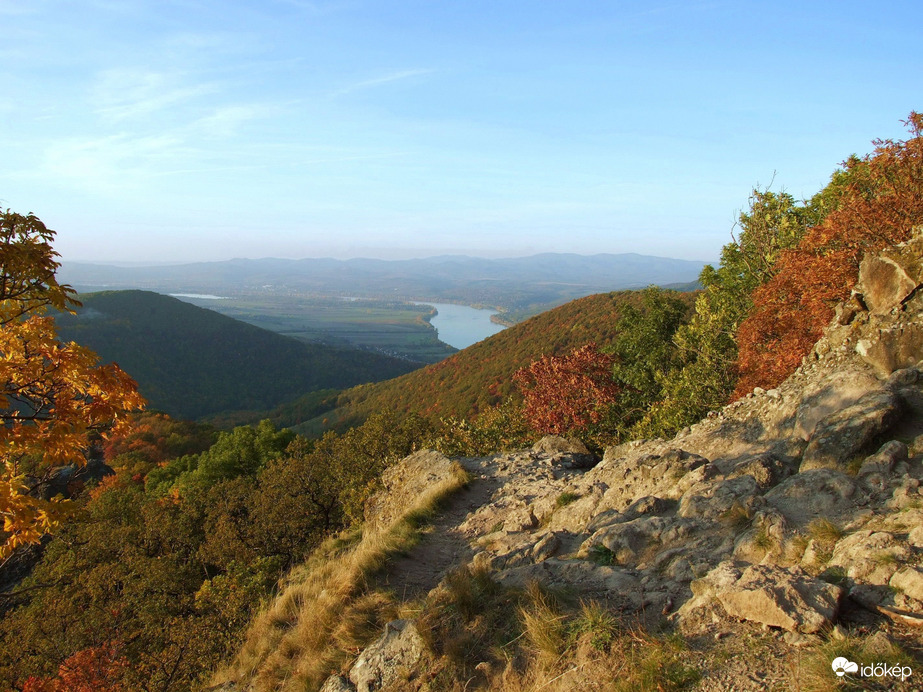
(442, 547)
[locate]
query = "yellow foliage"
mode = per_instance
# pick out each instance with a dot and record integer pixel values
(53, 396)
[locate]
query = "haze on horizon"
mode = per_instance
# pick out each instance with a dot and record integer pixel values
(180, 131)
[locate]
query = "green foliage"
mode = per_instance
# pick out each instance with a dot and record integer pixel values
(500, 428)
(168, 570)
(241, 452)
(703, 374)
(471, 382)
(645, 351)
(565, 499)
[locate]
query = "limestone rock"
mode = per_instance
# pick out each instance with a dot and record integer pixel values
(774, 596)
(885, 283)
(834, 392)
(892, 348)
(870, 557)
(554, 444)
(812, 493)
(906, 494)
(841, 435)
(888, 278)
(711, 500)
(337, 683)
(766, 469)
(627, 541)
(568, 451)
(885, 459)
(910, 581)
(394, 654)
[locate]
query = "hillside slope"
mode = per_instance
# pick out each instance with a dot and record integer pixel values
(481, 375)
(775, 537)
(192, 362)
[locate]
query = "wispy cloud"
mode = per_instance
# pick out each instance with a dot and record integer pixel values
(384, 79)
(226, 121)
(109, 165)
(123, 94)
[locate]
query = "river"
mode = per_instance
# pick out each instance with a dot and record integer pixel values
(460, 325)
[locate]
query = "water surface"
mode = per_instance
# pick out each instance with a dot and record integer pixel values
(460, 325)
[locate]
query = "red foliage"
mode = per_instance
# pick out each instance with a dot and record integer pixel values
(883, 200)
(567, 393)
(97, 669)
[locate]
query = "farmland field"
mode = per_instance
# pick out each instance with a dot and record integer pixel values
(387, 326)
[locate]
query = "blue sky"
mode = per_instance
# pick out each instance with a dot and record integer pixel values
(196, 130)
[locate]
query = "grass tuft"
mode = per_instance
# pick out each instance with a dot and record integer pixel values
(326, 610)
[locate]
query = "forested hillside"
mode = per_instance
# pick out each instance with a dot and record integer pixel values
(192, 362)
(480, 376)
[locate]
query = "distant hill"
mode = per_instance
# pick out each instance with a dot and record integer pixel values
(522, 284)
(191, 362)
(474, 378)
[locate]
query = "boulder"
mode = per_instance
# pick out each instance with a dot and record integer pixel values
(893, 348)
(403, 483)
(554, 444)
(393, 655)
(711, 500)
(337, 683)
(841, 435)
(839, 390)
(778, 597)
(568, 451)
(627, 541)
(766, 469)
(885, 283)
(909, 580)
(885, 459)
(887, 279)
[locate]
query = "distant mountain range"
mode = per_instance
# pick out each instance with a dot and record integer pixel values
(191, 362)
(515, 284)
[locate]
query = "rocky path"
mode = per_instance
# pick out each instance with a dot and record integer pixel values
(501, 488)
(443, 546)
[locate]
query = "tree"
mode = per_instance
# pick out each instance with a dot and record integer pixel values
(569, 393)
(877, 200)
(53, 396)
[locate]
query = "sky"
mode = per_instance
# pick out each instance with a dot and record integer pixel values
(197, 130)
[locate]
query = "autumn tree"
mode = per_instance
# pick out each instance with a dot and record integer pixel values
(53, 396)
(564, 394)
(879, 200)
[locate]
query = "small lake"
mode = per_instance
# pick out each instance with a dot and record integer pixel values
(460, 325)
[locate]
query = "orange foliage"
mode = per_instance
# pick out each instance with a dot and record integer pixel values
(53, 396)
(567, 393)
(97, 669)
(883, 200)
(155, 438)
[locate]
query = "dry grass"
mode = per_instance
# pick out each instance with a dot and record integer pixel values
(326, 612)
(737, 517)
(488, 637)
(813, 672)
(825, 535)
(601, 656)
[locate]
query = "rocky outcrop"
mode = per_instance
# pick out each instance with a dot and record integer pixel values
(774, 511)
(403, 483)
